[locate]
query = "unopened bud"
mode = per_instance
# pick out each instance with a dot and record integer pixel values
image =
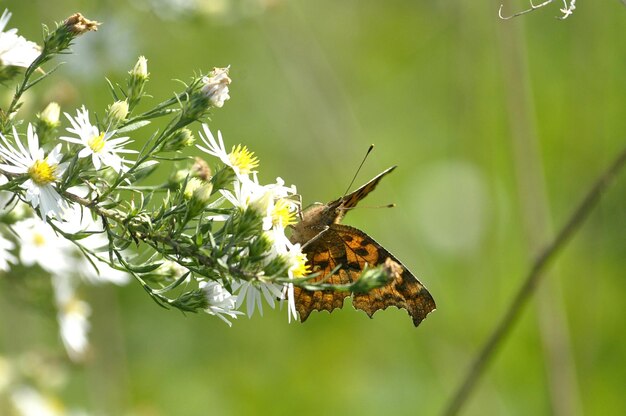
(198, 193)
(140, 70)
(190, 187)
(116, 114)
(179, 140)
(191, 301)
(203, 193)
(50, 115)
(47, 123)
(177, 177)
(372, 278)
(138, 76)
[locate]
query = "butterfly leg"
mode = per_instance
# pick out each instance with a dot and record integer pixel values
(316, 237)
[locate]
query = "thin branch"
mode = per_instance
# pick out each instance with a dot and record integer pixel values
(529, 285)
(532, 9)
(567, 10)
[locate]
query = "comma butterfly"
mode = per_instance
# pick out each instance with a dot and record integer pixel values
(330, 246)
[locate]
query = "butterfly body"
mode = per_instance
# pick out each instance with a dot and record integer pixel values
(331, 246)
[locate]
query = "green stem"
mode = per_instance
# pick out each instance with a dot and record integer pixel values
(529, 285)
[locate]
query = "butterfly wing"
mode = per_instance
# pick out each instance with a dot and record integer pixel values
(351, 249)
(342, 205)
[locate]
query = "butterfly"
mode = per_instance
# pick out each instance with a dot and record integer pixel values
(345, 250)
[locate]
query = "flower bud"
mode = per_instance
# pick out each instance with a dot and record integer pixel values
(140, 70)
(48, 121)
(50, 115)
(179, 140)
(190, 187)
(216, 86)
(374, 277)
(138, 76)
(61, 38)
(191, 301)
(78, 24)
(203, 193)
(116, 114)
(178, 177)
(201, 169)
(198, 193)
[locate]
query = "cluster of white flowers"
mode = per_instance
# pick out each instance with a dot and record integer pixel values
(40, 245)
(14, 49)
(276, 204)
(45, 171)
(30, 385)
(38, 166)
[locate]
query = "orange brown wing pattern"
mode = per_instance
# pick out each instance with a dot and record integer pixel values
(351, 249)
(352, 199)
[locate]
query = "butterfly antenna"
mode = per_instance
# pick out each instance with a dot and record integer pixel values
(369, 150)
(371, 207)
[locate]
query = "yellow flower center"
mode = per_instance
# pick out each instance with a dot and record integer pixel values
(300, 268)
(96, 143)
(39, 239)
(243, 159)
(42, 173)
(282, 215)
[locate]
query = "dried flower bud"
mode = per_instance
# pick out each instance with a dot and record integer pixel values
(61, 38)
(201, 169)
(78, 24)
(216, 86)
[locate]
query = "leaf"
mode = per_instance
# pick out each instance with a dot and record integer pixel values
(134, 126)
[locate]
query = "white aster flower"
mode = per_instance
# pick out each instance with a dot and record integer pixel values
(221, 302)
(80, 220)
(73, 327)
(297, 268)
(41, 245)
(252, 293)
(43, 171)
(240, 159)
(246, 193)
(30, 402)
(5, 256)
(72, 316)
(15, 50)
(101, 146)
(216, 86)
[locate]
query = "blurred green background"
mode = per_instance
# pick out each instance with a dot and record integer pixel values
(498, 129)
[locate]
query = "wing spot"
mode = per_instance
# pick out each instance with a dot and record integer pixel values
(322, 264)
(360, 251)
(354, 266)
